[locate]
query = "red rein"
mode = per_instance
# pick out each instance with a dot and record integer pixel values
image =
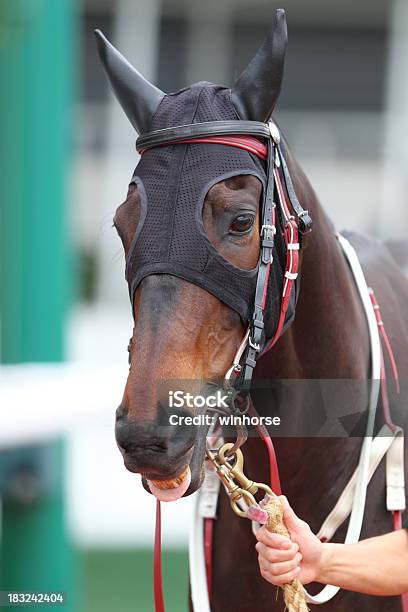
(157, 563)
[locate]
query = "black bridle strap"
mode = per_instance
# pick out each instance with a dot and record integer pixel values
(268, 231)
(304, 219)
(201, 130)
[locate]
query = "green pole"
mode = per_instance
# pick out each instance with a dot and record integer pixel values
(37, 63)
(36, 73)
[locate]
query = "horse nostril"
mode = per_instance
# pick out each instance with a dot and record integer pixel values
(137, 439)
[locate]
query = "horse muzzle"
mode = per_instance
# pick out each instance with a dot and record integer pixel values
(162, 455)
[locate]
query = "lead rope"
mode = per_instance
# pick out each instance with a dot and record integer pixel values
(293, 592)
(157, 563)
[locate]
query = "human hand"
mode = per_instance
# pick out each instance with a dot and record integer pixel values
(280, 559)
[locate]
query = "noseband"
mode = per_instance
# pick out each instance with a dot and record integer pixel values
(262, 140)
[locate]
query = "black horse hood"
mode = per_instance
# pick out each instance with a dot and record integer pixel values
(173, 181)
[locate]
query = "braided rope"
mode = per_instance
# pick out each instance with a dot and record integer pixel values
(293, 592)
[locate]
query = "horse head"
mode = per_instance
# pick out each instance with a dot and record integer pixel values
(190, 228)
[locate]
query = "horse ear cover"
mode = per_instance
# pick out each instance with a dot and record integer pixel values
(254, 95)
(136, 95)
(256, 91)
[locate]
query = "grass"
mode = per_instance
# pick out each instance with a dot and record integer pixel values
(123, 580)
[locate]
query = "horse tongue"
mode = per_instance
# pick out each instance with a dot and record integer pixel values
(170, 490)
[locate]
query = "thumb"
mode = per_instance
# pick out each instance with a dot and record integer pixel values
(291, 520)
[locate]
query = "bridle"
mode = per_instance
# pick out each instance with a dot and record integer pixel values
(264, 141)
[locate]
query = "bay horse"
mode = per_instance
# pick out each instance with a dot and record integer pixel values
(193, 213)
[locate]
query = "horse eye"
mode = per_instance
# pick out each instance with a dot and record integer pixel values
(242, 224)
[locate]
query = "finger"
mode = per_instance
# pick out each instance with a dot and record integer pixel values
(282, 579)
(263, 563)
(274, 555)
(279, 569)
(272, 539)
(264, 567)
(290, 519)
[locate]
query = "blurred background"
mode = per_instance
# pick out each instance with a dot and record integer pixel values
(72, 518)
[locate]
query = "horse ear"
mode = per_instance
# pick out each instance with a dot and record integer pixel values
(138, 98)
(256, 91)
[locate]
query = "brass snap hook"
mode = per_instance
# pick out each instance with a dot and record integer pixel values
(230, 470)
(236, 470)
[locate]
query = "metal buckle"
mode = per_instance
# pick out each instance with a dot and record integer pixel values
(254, 345)
(273, 129)
(236, 363)
(272, 229)
(234, 369)
(268, 227)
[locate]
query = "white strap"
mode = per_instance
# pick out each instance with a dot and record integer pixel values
(358, 506)
(208, 497)
(381, 445)
(196, 560)
(393, 446)
(395, 474)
